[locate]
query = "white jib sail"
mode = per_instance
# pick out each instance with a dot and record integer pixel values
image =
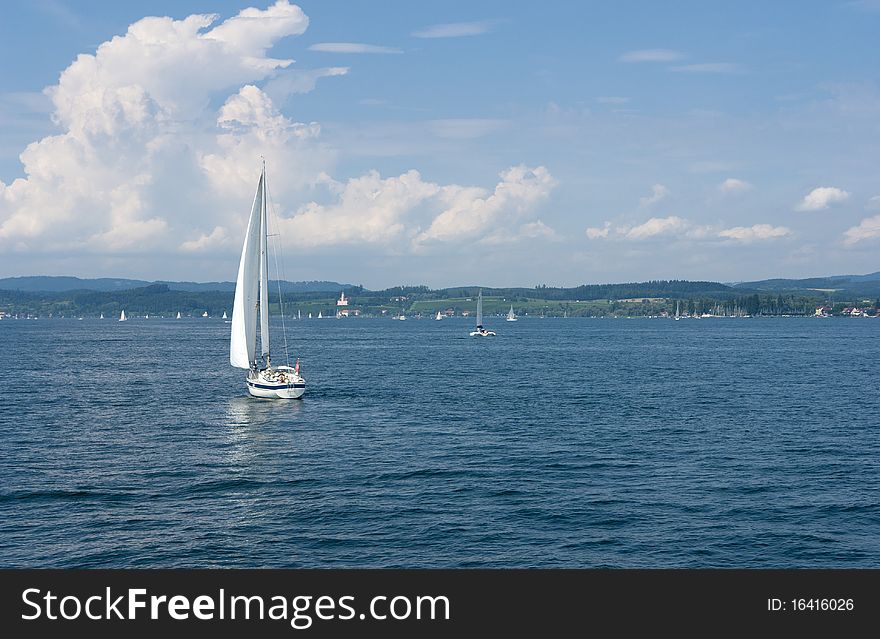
(243, 342)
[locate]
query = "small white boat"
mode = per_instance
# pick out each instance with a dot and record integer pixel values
(480, 331)
(205, 314)
(251, 300)
(439, 316)
(677, 313)
(320, 316)
(122, 317)
(310, 316)
(224, 315)
(102, 316)
(511, 317)
(178, 314)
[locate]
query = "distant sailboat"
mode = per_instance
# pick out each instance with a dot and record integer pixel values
(299, 314)
(310, 316)
(320, 316)
(439, 316)
(122, 316)
(102, 316)
(252, 299)
(480, 331)
(677, 313)
(205, 314)
(178, 314)
(224, 315)
(511, 317)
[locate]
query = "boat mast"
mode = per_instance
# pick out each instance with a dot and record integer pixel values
(264, 274)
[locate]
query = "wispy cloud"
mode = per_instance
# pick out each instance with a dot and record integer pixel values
(612, 99)
(682, 229)
(733, 185)
(596, 232)
(291, 81)
(658, 192)
(454, 30)
(352, 47)
(865, 5)
(868, 229)
(651, 55)
(821, 198)
(708, 67)
(755, 233)
(466, 128)
(710, 166)
(217, 238)
(656, 226)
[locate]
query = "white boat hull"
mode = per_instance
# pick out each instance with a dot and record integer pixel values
(482, 334)
(280, 383)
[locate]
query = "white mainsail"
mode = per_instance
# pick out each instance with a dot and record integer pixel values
(264, 272)
(242, 345)
(511, 316)
(122, 316)
(480, 310)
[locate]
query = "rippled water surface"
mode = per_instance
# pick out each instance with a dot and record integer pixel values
(561, 442)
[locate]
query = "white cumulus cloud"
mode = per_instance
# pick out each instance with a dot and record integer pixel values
(393, 211)
(470, 212)
(821, 198)
(126, 170)
(161, 134)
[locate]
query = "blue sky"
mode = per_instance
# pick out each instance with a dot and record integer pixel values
(489, 143)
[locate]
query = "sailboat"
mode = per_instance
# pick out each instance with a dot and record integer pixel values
(251, 300)
(677, 314)
(480, 331)
(439, 316)
(102, 316)
(310, 316)
(511, 317)
(205, 314)
(178, 314)
(224, 315)
(122, 316)
(299, 314)
(320, 316)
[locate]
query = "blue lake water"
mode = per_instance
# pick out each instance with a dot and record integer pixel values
(561, 442)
